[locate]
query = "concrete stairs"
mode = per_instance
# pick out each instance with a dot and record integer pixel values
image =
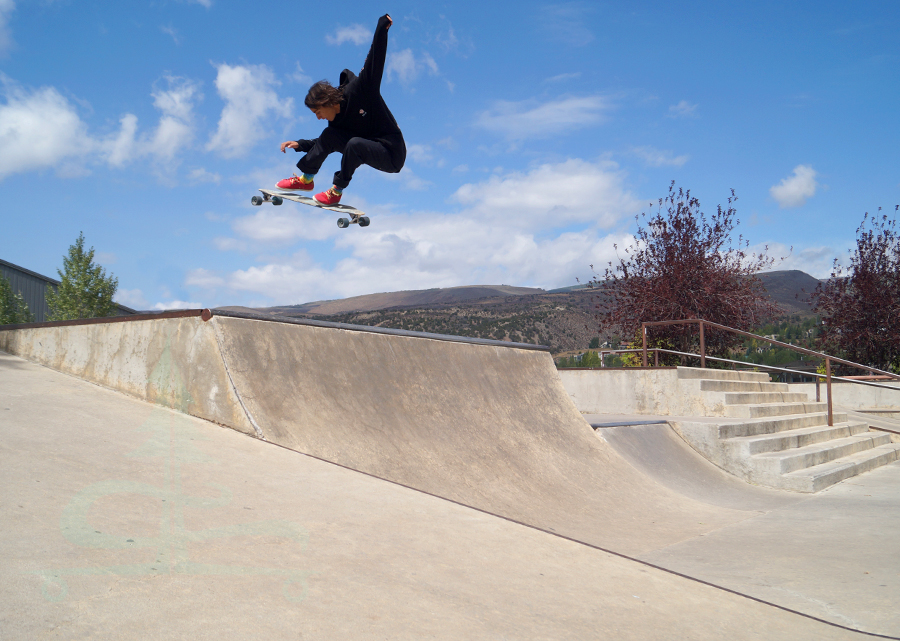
(770, 436)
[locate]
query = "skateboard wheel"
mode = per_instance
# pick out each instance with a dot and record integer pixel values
(363, 221)
(257, 200)
(276, 200)
(343, 223)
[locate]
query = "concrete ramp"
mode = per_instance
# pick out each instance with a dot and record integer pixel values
(486, 424)
(657, 451)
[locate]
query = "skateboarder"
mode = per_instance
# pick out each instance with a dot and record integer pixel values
(360, 125)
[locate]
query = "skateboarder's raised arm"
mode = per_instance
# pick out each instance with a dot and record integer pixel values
(373, 69)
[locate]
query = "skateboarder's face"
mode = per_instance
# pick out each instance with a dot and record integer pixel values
(327, 112)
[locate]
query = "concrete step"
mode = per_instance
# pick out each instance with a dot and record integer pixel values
(758, 427)
(794, 439)
(707, 385)
(722, 374)
(816, 454)
(773, 409)
(818, 478)
(756, 398)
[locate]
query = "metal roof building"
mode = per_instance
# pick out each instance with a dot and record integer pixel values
(32, 286)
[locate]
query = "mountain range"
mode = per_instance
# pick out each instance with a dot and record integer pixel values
(562, 319)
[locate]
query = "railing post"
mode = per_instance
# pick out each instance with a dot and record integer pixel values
(644, 353)
(656, 358)
(828, 390)
(702, 346)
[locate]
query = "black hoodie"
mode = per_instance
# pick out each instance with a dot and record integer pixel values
(363, 111)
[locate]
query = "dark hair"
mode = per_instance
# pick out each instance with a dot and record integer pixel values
(323, 94)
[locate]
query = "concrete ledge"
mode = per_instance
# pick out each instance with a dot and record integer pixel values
(657, 392)
(856, 397)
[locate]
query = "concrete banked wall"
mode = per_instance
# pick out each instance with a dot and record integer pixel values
(169, 361)
(486, 424)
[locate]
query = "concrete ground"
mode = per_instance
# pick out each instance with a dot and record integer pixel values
(834, 554)
(124, 520)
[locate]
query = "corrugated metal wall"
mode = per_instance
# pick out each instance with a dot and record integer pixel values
(33, 286)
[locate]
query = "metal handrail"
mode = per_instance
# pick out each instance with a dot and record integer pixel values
(705, 323)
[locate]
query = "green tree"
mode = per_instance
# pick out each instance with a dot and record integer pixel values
(85, 291)
(13, 308)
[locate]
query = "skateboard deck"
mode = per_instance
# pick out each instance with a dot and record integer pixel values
(278, 196)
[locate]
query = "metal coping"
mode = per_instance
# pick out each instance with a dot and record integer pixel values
(617, 369)
(627, 424)
(184, 313)
(206, 314)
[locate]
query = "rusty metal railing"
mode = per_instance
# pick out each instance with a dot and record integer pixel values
(802, 350)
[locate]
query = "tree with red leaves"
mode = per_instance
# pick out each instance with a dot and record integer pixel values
(684, 265)
(860, 304)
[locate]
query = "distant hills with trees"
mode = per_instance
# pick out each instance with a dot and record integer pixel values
(563, 319)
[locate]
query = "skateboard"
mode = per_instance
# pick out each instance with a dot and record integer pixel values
(277, 196)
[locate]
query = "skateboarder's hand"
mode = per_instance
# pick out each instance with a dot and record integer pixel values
(390, 21)
(293, 144)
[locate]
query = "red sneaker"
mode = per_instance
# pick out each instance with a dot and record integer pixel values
(295, 183)
(329, 197)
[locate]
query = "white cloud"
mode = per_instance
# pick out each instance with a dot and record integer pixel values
(121, 148)
(795, 190)
(429, 62)
(355, 33)
(553, 195)
(566, 21)
(403, 65)
(203, 278)
(660, 158)
(250, 100)
(448, 42)
(410, 180)
(201, 176)
(683, 110)
(39, 129)
(419, 153)
(407, 67)
(133, 298)
(815, 261)
(177, 304)
(174, 132)
(529, 119)
(563, 77)
(300, 76)
(170, 31)
(6, 40)
(230, 244)
(292, 280)
(175, 129)
(540, 227)
(285, 224)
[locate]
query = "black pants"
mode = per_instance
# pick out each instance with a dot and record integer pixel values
(388, 155)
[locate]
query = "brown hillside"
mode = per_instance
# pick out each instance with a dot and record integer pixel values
(562, 320)
(410, 298)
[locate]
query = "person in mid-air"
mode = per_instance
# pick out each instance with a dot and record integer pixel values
(360, 125)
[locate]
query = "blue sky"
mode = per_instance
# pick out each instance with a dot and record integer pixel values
(536, 132)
